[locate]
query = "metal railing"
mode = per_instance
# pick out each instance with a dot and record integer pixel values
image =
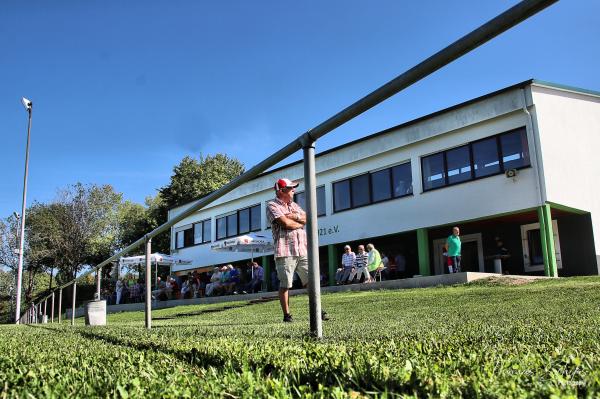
(306, 141)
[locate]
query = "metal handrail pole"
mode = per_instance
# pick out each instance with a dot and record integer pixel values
(73, 307)
(52, 308)
(148, 302)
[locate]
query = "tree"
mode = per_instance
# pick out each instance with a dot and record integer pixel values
(9, 242)
(79, 228)
(193, 179)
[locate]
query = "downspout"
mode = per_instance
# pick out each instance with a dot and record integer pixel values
(538, 152)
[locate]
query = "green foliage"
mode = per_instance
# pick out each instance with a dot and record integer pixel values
(193, 179)
(79, 228)
(535, 340)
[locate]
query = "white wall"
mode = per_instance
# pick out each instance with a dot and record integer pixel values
(569, 134)
(470, 200)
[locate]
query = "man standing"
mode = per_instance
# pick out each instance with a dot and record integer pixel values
(287, 221)
(452, 247)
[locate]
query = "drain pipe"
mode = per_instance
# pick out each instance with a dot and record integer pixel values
(538, 152)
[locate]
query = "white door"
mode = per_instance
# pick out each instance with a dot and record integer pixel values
(438, 250)
(533, 259)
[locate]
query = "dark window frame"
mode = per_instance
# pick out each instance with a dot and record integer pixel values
(370, 184)
(237, 218)
(319, 214)
(502, 170)
(201, 224)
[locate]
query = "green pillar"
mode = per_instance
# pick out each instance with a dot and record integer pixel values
(266, 264)
(547, 238)
(423, 251)
(332, 258)
(542, 220)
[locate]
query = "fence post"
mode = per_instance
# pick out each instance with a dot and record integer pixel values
(314, 273)
(73, 307)
(52, 309)
(98, 278)
(59, 305)
(148, 305)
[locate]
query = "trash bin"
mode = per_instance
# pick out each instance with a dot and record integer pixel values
(95, 313)
(45, 319)
(498, 265)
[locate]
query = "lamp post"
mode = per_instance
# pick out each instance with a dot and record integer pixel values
(27, 104)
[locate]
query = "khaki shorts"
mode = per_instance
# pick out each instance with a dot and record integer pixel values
(287, 265)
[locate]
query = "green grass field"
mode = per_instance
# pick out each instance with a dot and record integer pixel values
(475, 340)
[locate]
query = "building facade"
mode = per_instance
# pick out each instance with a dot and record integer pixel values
(516, 166)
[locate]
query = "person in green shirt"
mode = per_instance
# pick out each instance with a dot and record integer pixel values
(374, 263)
(452, 247)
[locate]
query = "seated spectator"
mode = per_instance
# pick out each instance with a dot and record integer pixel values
(360, 266)
(135, 293)
(174, 294)
(186, 289)
(160, 290)
(215, 282)
(234, 280)
(255, 284)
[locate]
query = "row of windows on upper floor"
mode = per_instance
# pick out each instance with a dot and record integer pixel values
(482, 158)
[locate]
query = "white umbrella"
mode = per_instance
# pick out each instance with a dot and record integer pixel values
(253, 243)
(157, 258)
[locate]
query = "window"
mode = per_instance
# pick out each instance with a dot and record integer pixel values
(221, 228)
(372, 187)
(341, 195)
(515, 153)
(184, 238)
(360, 190)
(300, 199)
(434, 175)
(402, 180)
(382, 190)
(487, 157)
(458, 161)
(232, 225)
(244, 220)
(202, 232)
(179, 239)
(206, 231)
(239, 222)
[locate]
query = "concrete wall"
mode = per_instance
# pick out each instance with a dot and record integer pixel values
(569, 135)
(470, 200)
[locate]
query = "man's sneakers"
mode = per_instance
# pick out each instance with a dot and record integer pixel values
(287, 318)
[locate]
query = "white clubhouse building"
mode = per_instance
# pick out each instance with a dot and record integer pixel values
(517, 165)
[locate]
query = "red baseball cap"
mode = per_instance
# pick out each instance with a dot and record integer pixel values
(285, 183)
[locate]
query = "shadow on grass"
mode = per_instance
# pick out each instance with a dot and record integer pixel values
(222, 309)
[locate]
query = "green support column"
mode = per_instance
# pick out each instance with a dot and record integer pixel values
(553, 269)
(332, 258)
(266, 272)
(547, 240)
(423, 251)
(542, 220)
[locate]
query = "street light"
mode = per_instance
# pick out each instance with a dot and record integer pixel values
(27, 104)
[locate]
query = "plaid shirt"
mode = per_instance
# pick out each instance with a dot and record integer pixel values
(361, 259)
(286, 242)
(348, 259)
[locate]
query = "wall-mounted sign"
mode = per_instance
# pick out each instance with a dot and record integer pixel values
(325, 231)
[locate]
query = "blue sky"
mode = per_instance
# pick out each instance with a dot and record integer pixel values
(122, 91)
